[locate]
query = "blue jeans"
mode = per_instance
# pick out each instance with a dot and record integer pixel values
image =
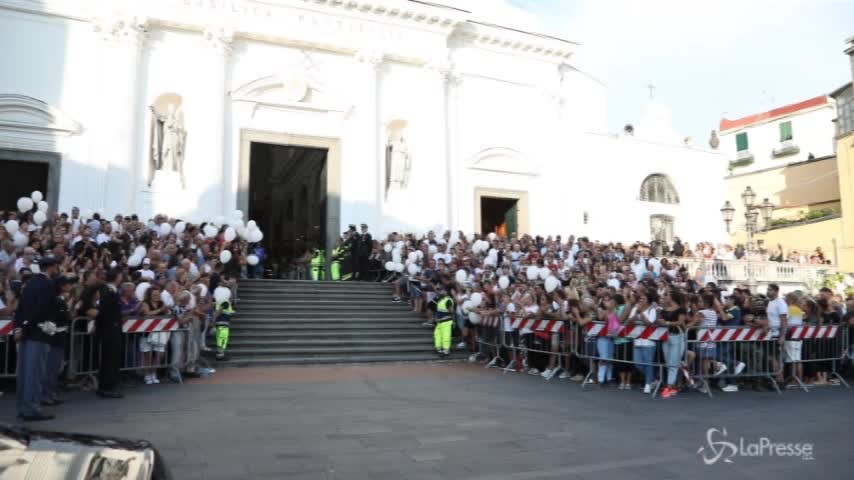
(645, 355)
(605, 347)
(53, 367)
(674, 349)
(32, 359)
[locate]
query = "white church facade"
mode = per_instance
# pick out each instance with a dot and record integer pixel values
(312, 115)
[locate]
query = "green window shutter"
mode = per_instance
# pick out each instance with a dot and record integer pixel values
(785, 131)
(741, 141)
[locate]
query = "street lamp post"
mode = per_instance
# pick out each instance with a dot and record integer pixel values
(752, 212)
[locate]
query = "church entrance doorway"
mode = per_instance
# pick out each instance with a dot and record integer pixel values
(288, 198)
(499, 215)
(24, 171)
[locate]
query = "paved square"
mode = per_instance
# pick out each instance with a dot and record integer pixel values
(455, 421)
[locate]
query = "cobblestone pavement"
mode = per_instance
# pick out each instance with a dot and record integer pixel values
(456, 421)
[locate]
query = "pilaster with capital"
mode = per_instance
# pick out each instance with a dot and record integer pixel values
(439, 73)
(370, 137)
(117, 125)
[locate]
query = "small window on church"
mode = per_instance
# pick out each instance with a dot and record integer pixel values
(785, 131)
(659, 189)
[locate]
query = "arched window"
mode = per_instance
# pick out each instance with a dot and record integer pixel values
(659, 189)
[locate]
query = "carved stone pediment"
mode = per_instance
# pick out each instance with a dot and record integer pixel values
(29, 123)
(504, 160)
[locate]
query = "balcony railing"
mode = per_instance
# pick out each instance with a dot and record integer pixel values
(807, 274)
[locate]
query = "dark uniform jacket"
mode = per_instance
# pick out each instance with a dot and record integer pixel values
(37, 305)
(109, 317)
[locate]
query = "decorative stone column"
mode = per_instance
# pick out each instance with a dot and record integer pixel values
(209, 163)
(368, 138)
(439, 72)
(453, 87)
(116, 124)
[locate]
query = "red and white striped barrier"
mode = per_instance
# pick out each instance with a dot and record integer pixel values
(629, 331)
(554, 326)
(148, 325)
(812, 332)
(6, 327)
(493, 321)
(746, 334)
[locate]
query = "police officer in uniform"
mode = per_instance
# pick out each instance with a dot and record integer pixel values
(352, 246)
(366, 245)
(34, 327)
(108, 327)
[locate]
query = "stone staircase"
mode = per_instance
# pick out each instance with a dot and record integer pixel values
(303, 322)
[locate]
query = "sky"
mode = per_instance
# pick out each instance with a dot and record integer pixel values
(706, 59)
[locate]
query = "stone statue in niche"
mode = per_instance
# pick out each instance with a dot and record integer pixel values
(398, 162)
(168, 138)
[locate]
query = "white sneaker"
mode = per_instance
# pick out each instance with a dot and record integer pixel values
(154, 379)
(533, 371)
(564, 374)
(647, 388)
(461, 345)
(492, 362)
(546, 373)
(721, 369)
(148, 380)
(739, 368)
(730, 388)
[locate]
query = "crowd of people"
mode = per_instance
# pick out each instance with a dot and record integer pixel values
(581, 281)
(83, 272)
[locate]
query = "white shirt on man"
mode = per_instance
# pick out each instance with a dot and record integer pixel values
(776, 308)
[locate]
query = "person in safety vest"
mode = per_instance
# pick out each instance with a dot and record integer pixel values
(444, 323)
(318, 265)
(338, 255)
(222, 321)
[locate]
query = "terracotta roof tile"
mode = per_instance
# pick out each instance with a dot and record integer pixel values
(777, 112)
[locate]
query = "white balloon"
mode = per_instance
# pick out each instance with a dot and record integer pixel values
(492, 236)
(387, 248)
(467, 306)
(257, 236)
(37, 196)
(476, 299)
(398, 267)
(219, 220)
(551, 284)
(230, 233)
(545, 273)
(39, 217)
(243, 232)
(389, 266)
(180, 227)
(251, 225)
(20, 240)
(419, 254)
(504, 282)
(474, 318)
(165, 229)
(475, 248)
(252, 260)
(532, 272)
(395, 257)
(140, 290)
(493, 252)
(134, 260)
(412, 269)
(238, 214)
(222, 294)
(139, 251)
(399, 244)
(12, 226)
(203, 290)
(43, 206)
(433, 249)
(413, 256)
(461, 276)
(210, 231)
(25, 204)
(225, 256)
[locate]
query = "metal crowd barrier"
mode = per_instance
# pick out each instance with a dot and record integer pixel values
(746, 352)
(527, 335)
(616, 351)
(488, 334)
(821, 347)
(7, 348)
(154, 334)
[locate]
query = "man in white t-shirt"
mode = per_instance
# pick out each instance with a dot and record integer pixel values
(777, 312)
(146, 273)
